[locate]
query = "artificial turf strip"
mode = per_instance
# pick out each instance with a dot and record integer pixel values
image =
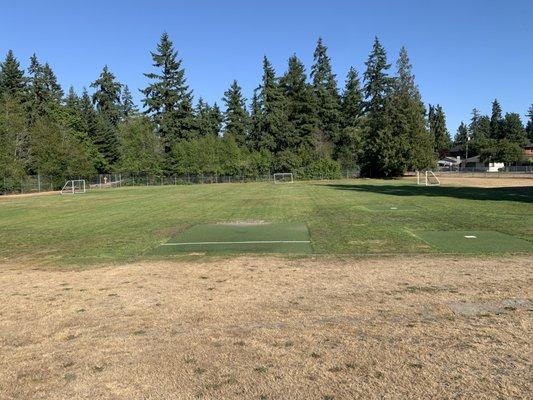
(240, 238)
(390, 207)
(474, 242)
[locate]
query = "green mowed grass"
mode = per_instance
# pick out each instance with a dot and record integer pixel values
(343, 217)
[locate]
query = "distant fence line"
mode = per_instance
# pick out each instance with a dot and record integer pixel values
(39, 183)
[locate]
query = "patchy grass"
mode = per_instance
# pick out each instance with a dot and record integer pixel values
(113, 226)
(274, 328)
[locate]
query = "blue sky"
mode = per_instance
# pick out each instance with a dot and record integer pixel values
(464, 53)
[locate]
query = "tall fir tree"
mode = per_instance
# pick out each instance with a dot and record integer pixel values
(379, 150)
(273, 125)
(12, 79)
(127, 106)
(462, 135)
(414, 145)
(168, 98)
(496, 120)
(300, 105)
(326, 93)
(438, 130)
(106, 96)
(106, 99)
(254, 137)
(529, 126)
(45, 95)
(236, 116)
(513, 129)
(349, 141)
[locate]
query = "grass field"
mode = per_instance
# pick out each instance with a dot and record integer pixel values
(344, 217)
(382, 290)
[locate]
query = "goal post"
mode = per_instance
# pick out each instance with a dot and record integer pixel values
(74, 186)
(427, 178)
(283, 177)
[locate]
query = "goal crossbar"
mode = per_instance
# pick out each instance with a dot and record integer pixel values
(427, 178)
(283, 177)
(74, 186)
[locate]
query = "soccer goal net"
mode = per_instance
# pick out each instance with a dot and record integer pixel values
(74, 186)
(427, 178)
(283, 178)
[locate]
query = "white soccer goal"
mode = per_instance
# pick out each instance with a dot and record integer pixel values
(427, 178)
(74, 186)
(285, 177)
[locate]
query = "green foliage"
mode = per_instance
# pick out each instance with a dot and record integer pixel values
(503, 151)
(529, 127)
(12, 80)
(168, 99)
(300, 106)
(414, 144)
(496, 121)
(55, 153)
(13, 138)
(513, 129)
(235, 117)
(274, 131)
(325, 92)
(139, 147)
(438, 130)
(381, 151)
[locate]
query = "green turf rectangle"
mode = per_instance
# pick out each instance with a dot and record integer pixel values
(390, 207)
(241, 238)
(475, 242)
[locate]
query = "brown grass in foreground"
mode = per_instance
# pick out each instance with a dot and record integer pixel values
(267, 328)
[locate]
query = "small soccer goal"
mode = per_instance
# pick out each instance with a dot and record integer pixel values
(285, 177)
(427, 178)
(74, 187)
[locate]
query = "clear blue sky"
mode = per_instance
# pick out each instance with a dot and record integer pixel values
(464, 53)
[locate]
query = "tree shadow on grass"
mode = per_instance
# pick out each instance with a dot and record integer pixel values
(522, 194)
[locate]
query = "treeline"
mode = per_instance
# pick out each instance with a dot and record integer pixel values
(495, 138)
(293, 122)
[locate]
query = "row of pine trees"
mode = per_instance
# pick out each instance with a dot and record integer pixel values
(293, 122)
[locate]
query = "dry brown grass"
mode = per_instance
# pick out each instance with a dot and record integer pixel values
(484, 182)
(267, 328)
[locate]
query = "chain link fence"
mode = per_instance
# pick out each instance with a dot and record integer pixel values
(39, 183)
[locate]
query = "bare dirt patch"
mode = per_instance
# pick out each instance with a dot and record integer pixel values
(268, 328)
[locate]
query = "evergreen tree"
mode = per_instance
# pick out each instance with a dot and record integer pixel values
(12, 80)
(106, 97)
(45, 92)
(496, 120)
(438, 130)
(128, 107)
(273, 125)
(480, 131)
(352, 105)
(216, 118)
(413, 144)
(513, 129)
(236, 117)
(378, 159)
(462, 135)
(300, 105)
(326, 93)
(256, 116)
(168, 98)
(349, 140)
(529, 126)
